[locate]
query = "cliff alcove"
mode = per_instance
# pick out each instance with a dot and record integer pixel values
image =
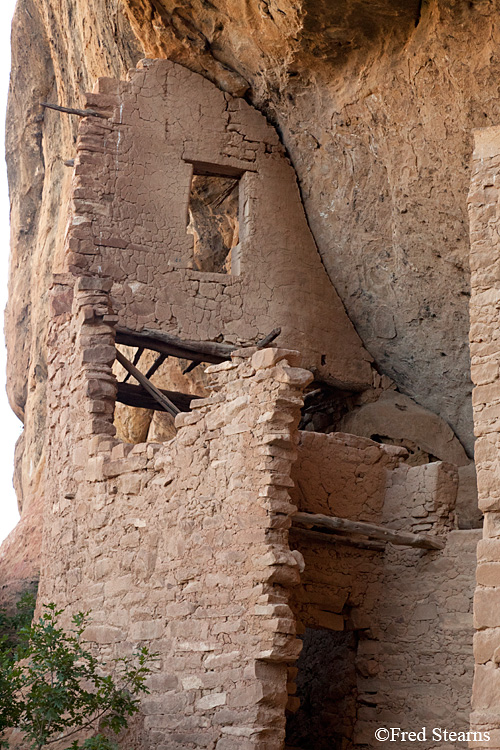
(239, 168)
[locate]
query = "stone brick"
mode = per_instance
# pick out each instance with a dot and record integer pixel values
(269, 357)
(146, 630)
(211, 701)
(103, 634)
(184, 542)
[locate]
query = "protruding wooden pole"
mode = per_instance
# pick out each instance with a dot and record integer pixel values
(207, 351)
(135, 395)
(320, 536)
(73, 111)
(137, 356)
(156, 365)
(199, 351)
(268, 339)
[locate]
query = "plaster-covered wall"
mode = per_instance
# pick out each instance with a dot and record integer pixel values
(131, 196)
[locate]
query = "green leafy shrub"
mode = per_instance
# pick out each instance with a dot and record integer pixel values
(52, 686)
(11, 625)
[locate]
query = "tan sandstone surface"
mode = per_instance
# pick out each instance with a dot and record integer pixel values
(364, 97)
(339, 139)
(374, 102)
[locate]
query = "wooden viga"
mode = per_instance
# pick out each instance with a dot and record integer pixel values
(359, 533)
(148, 396)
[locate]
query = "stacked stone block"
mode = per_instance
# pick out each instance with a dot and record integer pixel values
(186, 545)
(130, 215)
(485, 345)
(183, 546)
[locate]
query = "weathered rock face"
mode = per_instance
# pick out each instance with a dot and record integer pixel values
(375, 103)
(379, 138)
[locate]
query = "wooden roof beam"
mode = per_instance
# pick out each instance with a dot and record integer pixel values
(135, 395)
(166, 343)
(369, 530)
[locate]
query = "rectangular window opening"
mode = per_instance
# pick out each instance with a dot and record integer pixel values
(213, 220)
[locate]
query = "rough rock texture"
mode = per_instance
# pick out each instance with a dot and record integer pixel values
(182, 545)
(185, 545)
(411, 612)
(190, 544)
(375, 103)
(213, 213)
(395, 416)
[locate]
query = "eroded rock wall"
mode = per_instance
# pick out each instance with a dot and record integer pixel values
(375, 105)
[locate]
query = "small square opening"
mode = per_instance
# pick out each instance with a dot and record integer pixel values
(213, 220)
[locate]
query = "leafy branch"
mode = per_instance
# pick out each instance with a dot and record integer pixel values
(53, 687)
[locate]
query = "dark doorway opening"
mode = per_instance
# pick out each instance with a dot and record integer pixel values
(326, 686)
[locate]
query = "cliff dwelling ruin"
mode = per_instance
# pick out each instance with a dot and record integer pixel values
(248, 436)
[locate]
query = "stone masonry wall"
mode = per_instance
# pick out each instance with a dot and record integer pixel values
(410, 611)
(340, 475)
(129, 221)
(184, 545)
(415, 652)
(484, 207)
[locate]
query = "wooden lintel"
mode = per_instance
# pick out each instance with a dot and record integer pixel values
(147, 385)
(370, 530)
(135, 395)
(347, 541)
(199, 351)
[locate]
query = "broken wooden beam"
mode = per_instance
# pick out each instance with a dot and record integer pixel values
(73, 111)
(156, 365)
(199, 351)
(165, 343)
(191, 366)
(370, 530)
(135, 395)
(321, 536)
(147, 385)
